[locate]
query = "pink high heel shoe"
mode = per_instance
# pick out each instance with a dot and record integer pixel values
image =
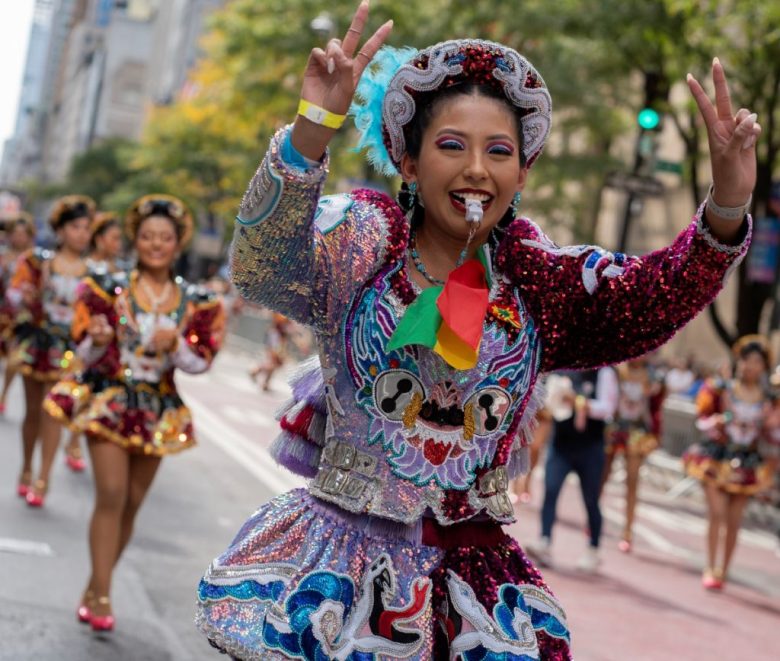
(36, 494)
(23, 487)
(711, 580)
(75, 460)
(84, 612)
(102, 623)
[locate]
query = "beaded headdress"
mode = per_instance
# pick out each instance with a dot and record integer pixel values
(20, 218)
(386, 96)
(160, 205)
(756, 342)
(70, 208)
(102, 219)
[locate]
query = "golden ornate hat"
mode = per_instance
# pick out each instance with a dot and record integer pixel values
(70, 208)
(160, 205)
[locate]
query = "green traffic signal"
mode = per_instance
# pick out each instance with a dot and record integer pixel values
(648, 119)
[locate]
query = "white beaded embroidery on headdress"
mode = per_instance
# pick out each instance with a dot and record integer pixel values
(430, 69)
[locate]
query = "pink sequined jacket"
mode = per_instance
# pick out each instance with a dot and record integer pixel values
(400, 434)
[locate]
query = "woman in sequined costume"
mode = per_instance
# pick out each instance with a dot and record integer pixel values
(19, 238)
(730, 462)
(133, 332)
(105, 243)
(631, 434)
(409, 433)
(277, 347)
(43, 290)
(105, 248)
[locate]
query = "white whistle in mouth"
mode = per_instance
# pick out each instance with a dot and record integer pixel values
(473, 211)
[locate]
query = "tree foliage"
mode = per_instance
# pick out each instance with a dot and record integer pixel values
(593, 55)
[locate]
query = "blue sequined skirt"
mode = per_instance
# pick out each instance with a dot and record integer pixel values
(306, 580)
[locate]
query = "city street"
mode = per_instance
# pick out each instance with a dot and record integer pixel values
(642, 607)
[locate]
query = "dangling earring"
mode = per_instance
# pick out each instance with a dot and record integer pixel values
(412, 188)
(516, 203)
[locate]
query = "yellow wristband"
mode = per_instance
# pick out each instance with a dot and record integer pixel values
(320, 115)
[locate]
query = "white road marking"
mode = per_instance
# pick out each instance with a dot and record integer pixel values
(238, 414)
(244, 451)
(25, 547)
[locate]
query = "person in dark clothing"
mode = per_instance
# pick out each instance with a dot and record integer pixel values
(589, 403)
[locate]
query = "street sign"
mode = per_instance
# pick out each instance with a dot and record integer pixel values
(675, 167)
(636, 184)
(764, 251)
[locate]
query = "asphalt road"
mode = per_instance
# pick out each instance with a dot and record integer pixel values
(644, 606)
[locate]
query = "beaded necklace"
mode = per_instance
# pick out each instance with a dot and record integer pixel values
(418, 262)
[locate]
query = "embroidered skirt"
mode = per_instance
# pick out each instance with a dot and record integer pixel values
(42, 353)
(139, 417)
(629, 439)
(735, 469)
(306, 580)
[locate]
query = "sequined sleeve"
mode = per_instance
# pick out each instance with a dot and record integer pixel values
(96, 296)
(202, 334)
(27, 276)
(708, 400)
(299, 253)
(592, 307)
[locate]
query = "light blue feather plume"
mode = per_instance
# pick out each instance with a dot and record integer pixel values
(367, 105)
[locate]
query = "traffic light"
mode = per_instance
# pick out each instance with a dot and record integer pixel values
(650, 117)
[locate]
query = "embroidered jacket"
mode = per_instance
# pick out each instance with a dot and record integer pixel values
(405, 433)
(126, 393)
(42, 326)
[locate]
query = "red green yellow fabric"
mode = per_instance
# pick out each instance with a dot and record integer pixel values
(449, 318)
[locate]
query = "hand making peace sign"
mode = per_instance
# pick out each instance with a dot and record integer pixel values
(732, 140)
(331, 78)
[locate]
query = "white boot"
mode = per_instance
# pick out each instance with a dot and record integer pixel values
(540, 551)
(590, 561)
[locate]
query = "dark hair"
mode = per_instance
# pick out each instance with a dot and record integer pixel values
(755, 347)
(75, 212)
(100, 231)
(427, 105)
(22, 222)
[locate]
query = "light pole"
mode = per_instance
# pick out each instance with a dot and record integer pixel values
(323, 25)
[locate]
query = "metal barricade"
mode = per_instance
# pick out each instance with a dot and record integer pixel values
(678, 429)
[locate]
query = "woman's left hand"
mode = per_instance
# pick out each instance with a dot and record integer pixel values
(164, 339)
(732, 140)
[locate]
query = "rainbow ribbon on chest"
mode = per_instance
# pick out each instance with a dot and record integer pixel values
(449, 318)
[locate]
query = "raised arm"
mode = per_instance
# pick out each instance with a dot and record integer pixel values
(277, 258)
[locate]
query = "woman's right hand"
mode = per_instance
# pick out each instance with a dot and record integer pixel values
(331, 78)
(100, 330)
(29, 295)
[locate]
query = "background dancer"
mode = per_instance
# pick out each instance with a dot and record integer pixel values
(19, 238)
(43, 291)
(134, 333)
(632, 434)
(732, 416)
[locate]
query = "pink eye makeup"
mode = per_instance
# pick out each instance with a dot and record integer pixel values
(449, 142)
(501, 148)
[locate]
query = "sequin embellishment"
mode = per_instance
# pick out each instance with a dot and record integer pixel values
(437, 425)
(510, 633)
(326, 617)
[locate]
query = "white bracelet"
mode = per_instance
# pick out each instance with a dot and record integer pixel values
(729, 213)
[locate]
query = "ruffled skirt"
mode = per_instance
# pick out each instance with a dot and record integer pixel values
(631, 440)
(41, 354)
(137, 417)
(735, 469)
(306, 580)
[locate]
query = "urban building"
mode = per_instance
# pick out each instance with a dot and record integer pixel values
(94, 69)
